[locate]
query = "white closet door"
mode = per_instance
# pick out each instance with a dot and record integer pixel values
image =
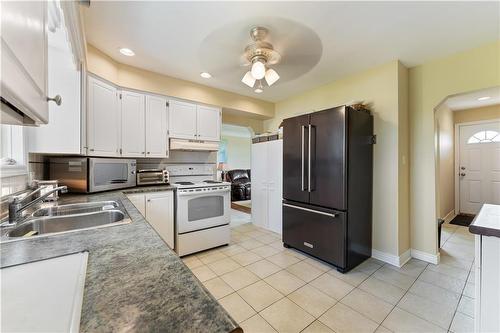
(259, 185)
(133, 127)
(275, 184)
(156, 127)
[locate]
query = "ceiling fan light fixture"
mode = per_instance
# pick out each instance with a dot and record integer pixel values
(271, 76)
(248, 79)
(258, 90)
(258, 70)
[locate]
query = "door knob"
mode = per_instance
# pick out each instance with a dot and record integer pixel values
(462, 174)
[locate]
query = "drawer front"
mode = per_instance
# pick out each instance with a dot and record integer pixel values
(320, 234)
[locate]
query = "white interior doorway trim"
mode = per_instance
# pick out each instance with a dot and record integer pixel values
(458, 128)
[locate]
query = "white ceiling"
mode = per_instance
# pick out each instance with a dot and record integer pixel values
(182, 39)
(471, 100)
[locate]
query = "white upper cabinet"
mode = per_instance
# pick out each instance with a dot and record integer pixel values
(103, 128)
(182, 120)
(24, 61)
(156, 127)
(208, 123)
(133, 142)
(191, 121)
(64, 79)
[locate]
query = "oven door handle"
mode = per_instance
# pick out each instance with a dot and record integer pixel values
(201, 193)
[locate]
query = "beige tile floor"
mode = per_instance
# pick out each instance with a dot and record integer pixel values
(267, 288)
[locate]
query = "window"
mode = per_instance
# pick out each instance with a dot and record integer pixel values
(13, 159)
(484, 137)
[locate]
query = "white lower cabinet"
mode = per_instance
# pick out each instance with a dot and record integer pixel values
(158, 209)
(487, 285)
(267, 189)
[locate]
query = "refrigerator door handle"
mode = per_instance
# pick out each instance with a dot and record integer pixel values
(302, 187)
(309, 188)
(310, 210)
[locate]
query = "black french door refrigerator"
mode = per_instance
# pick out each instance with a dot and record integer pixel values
(327, 185)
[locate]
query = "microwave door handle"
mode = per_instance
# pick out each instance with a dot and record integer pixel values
(118, 181)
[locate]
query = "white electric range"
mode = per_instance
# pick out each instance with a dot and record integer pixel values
(203, 215)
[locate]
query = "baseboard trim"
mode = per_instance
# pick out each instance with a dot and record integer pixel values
(430, 258)
(450, 216)
(392, 259)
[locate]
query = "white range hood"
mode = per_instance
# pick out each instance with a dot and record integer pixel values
(196, 145)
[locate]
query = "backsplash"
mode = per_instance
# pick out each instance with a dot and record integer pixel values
(13, 184)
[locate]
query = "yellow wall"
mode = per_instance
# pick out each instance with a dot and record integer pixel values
(380, 88)
(135, 78)
(429, 84)
(477, 114)
(239, 151)
(256, 125)
(445, 161)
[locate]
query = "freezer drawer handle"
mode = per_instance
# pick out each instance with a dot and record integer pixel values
(310, 210)
(308, 245)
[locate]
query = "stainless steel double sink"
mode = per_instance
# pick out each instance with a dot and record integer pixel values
(66, 218)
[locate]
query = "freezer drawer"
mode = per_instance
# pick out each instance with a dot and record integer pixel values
(319, 233)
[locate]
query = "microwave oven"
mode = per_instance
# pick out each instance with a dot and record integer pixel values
(92, 174)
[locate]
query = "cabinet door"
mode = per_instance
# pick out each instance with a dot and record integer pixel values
(24, 57)
(156, 127)
(208, 123)
(182, 120)
(103, 127)
(259, 185)
(275, 181)
(133, 127)
(139, 201)
(160, 214)
(65, 120)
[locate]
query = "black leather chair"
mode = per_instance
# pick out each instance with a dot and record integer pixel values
(240, 184)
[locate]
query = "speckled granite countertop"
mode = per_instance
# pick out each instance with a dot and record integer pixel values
(134, 282)
(487, 222)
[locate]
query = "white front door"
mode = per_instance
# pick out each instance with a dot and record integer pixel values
(479, 166)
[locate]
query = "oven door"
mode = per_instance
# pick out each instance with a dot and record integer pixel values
(109, 174)
(197, 210)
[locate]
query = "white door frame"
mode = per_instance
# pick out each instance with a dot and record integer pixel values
(457, 156)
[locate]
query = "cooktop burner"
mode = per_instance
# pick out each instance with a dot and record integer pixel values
(212, 181)
(184, 183)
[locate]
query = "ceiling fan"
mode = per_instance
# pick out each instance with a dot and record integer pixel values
(260, 55)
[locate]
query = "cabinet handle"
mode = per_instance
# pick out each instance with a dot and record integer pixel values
(56, 99)
(149, 152)
(149, 200)
(142, 152)
(91, 149)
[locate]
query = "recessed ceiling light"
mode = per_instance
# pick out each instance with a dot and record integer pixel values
(484, 98)
(205, 75)
(258, 90)
(127, 52)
